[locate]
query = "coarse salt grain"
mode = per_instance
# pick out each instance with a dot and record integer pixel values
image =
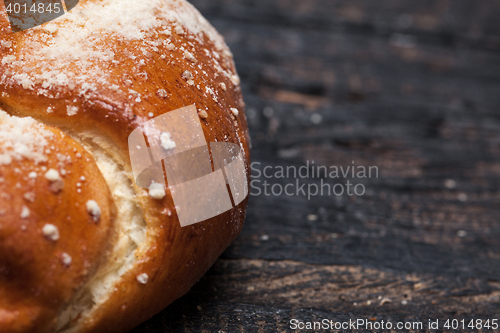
(179, 30)
(203, 114)
(8, 59)
(94, 210)
(6, 44)
(25, 212)
(66, 259)
(157, 191)
(189, 56)
(161, 93)
(187, 75)
(166, 141)
(30, 196)
(52, 175)
(143, 278)
(51, 232)
(235, 112)
(71, 110)
(235, 79)
(50, 28)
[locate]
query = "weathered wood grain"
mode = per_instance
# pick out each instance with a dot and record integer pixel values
(412, 87)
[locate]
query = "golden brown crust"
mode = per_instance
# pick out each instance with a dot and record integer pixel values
(40, 270)
(173, 258)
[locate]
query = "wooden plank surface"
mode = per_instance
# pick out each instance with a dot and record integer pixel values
(412, 87)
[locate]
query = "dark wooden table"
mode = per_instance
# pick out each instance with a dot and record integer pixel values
(412, 87)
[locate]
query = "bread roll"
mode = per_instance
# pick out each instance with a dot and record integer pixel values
(83, 248)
